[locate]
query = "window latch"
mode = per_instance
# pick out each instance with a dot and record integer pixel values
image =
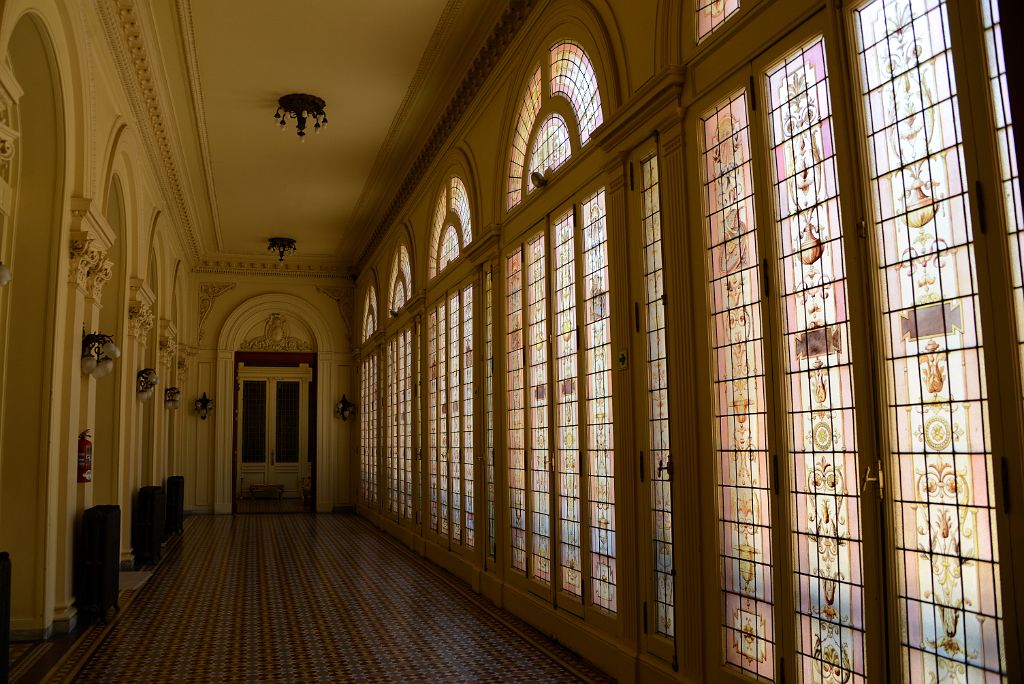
(878, 478)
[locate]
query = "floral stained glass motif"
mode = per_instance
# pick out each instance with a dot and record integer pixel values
(537, 401)
(391, 417)
(659, 456)
(516, 407)
(455, 415)
(951, 624)
(368, 428)
(573, 77)
(433, 419)
(451, 227)
(399, 424)
(739, 399)
(467, 414)
(460, 205)
(520, 138)
(401, 279)
(449, 248)
(600, 438)
(370, 313)
(567, 424)
(550, 147)
(826, 542)
(1008, 172)
(713, 13)
(489, 405)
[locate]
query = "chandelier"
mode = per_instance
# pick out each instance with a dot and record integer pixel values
(300, 107)
(283, 246)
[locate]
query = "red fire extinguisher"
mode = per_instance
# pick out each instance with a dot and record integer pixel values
(84, 457)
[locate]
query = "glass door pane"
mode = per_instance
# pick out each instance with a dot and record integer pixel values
(254, 421)
(286, 416)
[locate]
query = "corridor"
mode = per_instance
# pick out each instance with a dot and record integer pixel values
(301, 598)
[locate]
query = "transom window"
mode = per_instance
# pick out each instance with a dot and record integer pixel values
(370, 313)
(451, 228)
(401, 279)
(541, 129)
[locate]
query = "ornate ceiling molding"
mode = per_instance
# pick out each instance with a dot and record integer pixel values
(276, 338)
(501, 36)
(123, 29)
(208, 293)
(271, 268)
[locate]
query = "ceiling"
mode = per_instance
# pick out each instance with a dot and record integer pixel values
(384, 68)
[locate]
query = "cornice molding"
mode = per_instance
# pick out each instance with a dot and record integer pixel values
(270, 268)
(123, 30)
(501, 36)
(656, 105)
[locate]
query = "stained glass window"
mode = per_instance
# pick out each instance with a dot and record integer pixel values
(489, 405)
(573, 76)
(600, 440)
(451, 228)
(521, 137)
(537, 401)
(449, 248)
(370, 314)
(659, 455)
(738, 376)
(1008, 172)
(401, 279)
(826, 543)
(467, 414)
(945, 538)
(516, 407)
(433, 418)
(391, 418)
(550, 147)
(368, 430)
(460, 205)
(443, 443)
(712, 13)
(567, 424)
(455, 414)
(399, 424)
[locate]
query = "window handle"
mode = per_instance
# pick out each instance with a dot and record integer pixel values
(665, 466)
(878, 478)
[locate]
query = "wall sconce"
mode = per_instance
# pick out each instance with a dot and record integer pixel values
(145, 381)
(204, 405)
(5, 274)
(172, 398)
(98, 354)
(344, 408)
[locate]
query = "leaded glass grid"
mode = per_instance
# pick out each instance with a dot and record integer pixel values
(442, 417)
(599, 420)
(370, 313)
(713, 13)
(405, 421)
(550, 148)
(401, 279)
(449, 248)
(438, 222)
(489, 405)
(369, 428)
(455, 414)
(460, 205)
(467, 415)
(950, 616)
(738, 382)
(659, 454)
(567, 428)
(391, 420)
(537, 401)
(520, 138)
(433, 418)
(1008, 172)
(573, 76)
(825, 509)
(516, 407)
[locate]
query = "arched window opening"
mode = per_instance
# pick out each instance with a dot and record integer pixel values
(451, 228)
(370, 314)
(401, 279)
(570, 75)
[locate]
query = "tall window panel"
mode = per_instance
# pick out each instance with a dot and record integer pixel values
(825, 510)
(712, 13)
(659, 456)
(537, 400)
(369, 428)
(455, 415)
(489, 405)
(567, 425)
(600, 439)
(467, 414)
(1008, 173)
(433, 419)
(443, 444)
(516, 407)
(391, 422)
(405, 422)
(945, 537)
(748, 639)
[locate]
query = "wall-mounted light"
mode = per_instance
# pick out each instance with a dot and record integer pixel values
(145, 382)
(539, 179)
(98, 354)
(203, 406)
(5, 274)
(344, 408)
(172, 398)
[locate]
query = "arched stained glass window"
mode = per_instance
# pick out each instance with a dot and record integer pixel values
(573, 77)
(550, 147)
(370, 314)
(570, 75)
(401, 279)
(713, 13)
(451, 228)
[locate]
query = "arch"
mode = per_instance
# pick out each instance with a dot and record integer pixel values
(451, 226)
(257, 309)
(401, 279)
(369, 314)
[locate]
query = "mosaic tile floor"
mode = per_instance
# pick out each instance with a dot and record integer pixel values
(296, 598)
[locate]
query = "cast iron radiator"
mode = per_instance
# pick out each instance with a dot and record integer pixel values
(148, 527)
(5, 613)
(175, 504)
(99, 560)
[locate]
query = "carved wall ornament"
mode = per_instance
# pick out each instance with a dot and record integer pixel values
(276, 337)
(140, 320)
(208, 293)
(98, 277)
(167, 350)
(85, 257)
(185, 355)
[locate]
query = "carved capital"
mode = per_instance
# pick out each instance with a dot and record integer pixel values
(140, 320)
(85, 257)
(98, 277)
(208, 293)
(185, 355)
(167, 351)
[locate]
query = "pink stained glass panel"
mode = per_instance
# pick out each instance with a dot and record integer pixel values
(516, 407)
